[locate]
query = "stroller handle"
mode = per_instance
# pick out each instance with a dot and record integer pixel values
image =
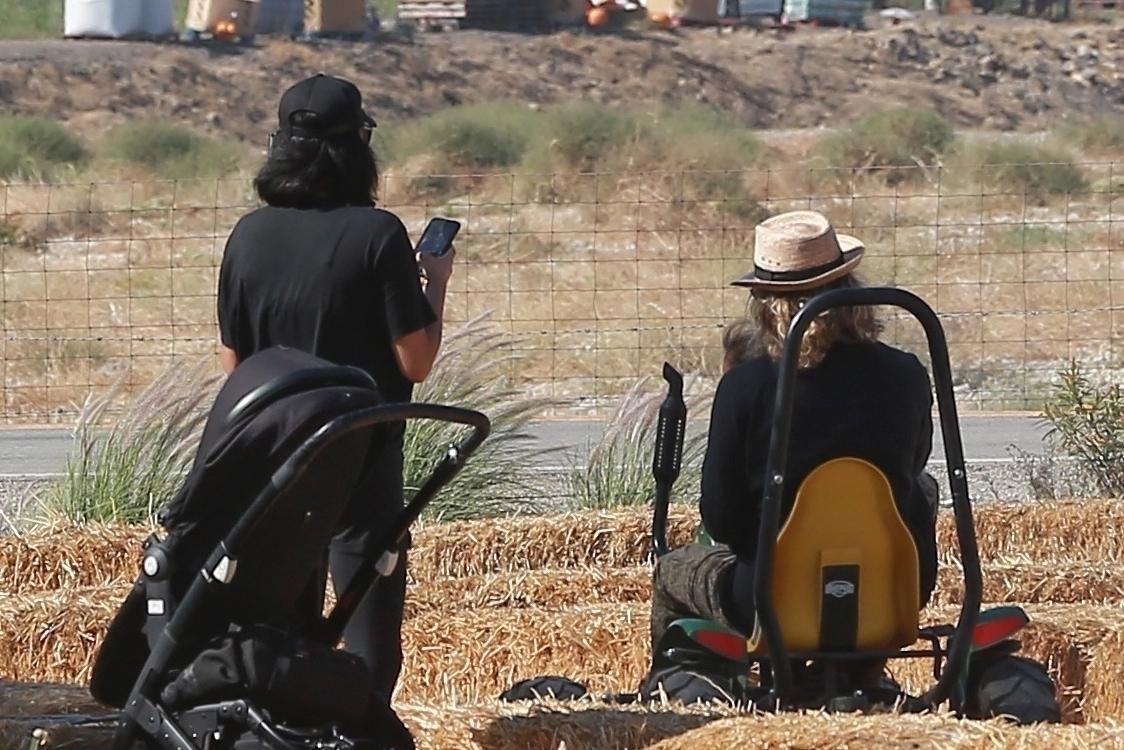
(450, 464)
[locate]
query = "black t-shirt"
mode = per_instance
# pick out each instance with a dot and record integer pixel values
(339, 283)
(865, 400)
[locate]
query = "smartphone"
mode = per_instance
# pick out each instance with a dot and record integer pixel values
(438, 237)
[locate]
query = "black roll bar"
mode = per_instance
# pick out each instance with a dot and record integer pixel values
(949, 685)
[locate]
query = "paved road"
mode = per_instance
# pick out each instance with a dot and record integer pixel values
(42, 452)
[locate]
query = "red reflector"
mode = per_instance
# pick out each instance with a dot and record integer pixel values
(989, 633)
(730, 646)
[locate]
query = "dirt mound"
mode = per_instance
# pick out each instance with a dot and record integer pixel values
(991, 73)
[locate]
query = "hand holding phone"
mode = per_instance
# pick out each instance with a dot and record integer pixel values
(438, 237)
(435, 251)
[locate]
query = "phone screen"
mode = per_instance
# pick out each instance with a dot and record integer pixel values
(438, 236)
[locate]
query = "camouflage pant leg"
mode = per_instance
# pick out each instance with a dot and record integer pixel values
(690, 582)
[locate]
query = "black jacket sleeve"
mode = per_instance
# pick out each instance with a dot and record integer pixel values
(229, 299)
(730, 514)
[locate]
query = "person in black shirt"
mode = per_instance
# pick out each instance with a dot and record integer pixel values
(854, 397)
(320, 269)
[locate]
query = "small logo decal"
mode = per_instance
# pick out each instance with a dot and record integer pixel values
(839, 589)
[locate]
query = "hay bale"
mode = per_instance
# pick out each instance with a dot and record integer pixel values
(70, 558)
(605, 539)
(1104, 680)
(1028, 581)
(549, 725)
(553, 588)
(1090, 530)
(477, 654)
(52, 637)
(887, 732)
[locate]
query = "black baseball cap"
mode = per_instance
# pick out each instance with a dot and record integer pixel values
(329, 106)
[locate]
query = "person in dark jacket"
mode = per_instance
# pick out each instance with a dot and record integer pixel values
(855, 396)
(321, 270)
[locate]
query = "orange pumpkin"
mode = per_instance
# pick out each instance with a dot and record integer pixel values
(226, 28)
(597, 17)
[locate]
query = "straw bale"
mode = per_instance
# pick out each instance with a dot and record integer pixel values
(606, 539)
(553, 588)
(69, 557)
(889, 732)
(52, 637)
(549, 725)
(1090, 530)
(1104, 682)
(1028, 581)
(477, 654)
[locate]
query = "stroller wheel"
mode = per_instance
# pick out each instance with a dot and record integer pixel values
(1011, 686)
(551, 686)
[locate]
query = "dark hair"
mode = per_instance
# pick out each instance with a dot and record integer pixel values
(319, 173)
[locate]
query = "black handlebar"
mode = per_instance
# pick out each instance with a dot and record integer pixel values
(668, 457)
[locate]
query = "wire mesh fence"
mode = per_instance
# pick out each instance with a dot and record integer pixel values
(599, 277)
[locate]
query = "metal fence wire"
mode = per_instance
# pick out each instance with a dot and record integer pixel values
(599, 277)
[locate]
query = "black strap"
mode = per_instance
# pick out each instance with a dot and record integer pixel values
(839, 611)
(804, 273)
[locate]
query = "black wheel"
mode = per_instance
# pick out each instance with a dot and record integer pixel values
(679, 685)
(551, 686)
(1011, 686)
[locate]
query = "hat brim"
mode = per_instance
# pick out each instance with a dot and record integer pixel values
(853, 250)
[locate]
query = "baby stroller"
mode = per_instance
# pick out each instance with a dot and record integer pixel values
(222, 643)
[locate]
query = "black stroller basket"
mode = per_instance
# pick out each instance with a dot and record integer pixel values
(259, 574)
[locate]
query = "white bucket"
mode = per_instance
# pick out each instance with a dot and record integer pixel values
(103, 18)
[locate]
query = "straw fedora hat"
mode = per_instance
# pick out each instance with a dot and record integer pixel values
(799, 250)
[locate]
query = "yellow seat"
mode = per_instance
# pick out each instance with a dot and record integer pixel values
(845, 576)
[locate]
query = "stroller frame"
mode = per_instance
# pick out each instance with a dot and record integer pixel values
(168, 624)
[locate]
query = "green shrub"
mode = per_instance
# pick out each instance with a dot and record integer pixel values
(1097, 135)
(34, 146)
(126, 469)
(899, 137)
(172, 152)
(712, 149)
(618, 470)
(473, 371)
(1087, 423)
(476, 136)
(583, 135)
(30, 19)
(1013, 167)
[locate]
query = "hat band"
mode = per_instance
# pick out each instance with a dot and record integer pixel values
(802, 274)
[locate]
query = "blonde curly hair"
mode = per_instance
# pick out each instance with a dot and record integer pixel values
(763, 330)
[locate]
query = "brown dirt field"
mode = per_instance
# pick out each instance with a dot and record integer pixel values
(990, 73)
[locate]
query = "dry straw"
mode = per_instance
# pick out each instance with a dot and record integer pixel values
(1092, 531)
(594, 726)
(1104, 685)
(549, 588)
(68, 558)
(889, 732)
